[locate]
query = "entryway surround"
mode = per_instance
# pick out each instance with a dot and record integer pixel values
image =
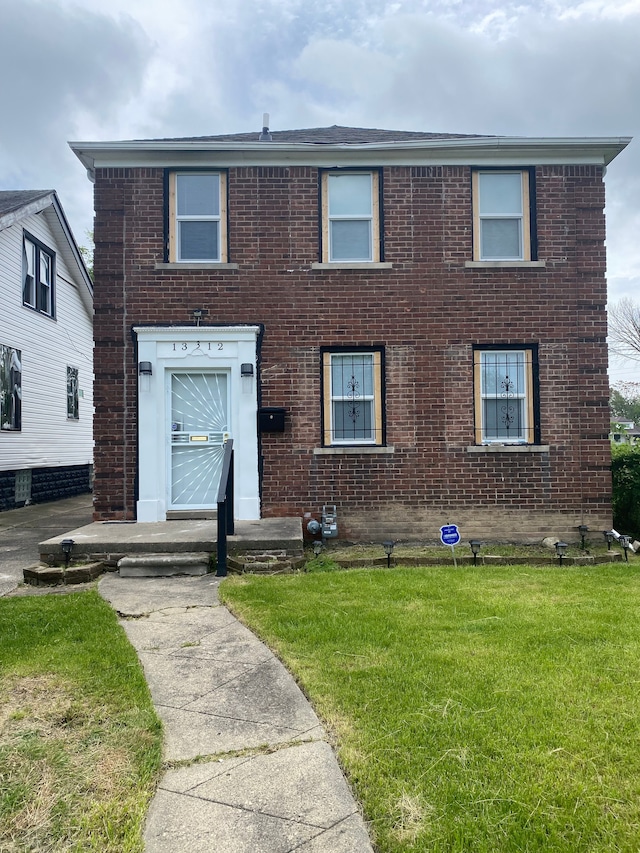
(197, 387)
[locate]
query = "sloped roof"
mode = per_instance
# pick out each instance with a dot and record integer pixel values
(334, 135)
(12, 200)
(17, 205)
(328, 147)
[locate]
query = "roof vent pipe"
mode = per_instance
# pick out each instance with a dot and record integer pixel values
(265, 136)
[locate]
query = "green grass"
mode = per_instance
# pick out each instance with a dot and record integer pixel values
(489, 709)
(80, 743)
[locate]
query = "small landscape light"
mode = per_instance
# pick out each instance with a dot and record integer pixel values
(475, 545)
(317, 547)
(625, 541)
(608, 538)
(67, 548)
(561, 550)
(388, 550)
(582, 530)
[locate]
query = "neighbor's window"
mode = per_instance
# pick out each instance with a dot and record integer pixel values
(73, 394)
(350, 217)
(197, 217)
(501, 216)
(505, 396)
(38, 265)
(10, 388)
(352, 386)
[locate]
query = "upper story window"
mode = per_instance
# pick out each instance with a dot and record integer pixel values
(197, 217)
(352, 404)
(502, 215)
(350, 217)
(38, 276)
(506, 391)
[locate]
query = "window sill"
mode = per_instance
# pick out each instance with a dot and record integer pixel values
(355, 265)
(481, 265)
(508, 448)
(352, 450)
(194, 266)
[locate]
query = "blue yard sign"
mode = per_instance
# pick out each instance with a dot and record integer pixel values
(450, 535)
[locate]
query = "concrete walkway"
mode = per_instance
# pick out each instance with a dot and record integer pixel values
(21, 531)
(250, 768)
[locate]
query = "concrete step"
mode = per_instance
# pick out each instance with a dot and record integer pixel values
(164, 565)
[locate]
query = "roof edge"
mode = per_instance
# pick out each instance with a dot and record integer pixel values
(597, 150)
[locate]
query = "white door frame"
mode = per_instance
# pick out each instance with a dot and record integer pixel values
(196, 348)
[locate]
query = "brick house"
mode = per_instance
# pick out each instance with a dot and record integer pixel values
(410, 326)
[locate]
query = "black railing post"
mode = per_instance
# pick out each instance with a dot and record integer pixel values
(225, 522)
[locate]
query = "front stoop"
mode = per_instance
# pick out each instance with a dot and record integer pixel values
(164, 565)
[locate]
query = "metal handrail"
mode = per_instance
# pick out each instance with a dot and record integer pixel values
(225, 509)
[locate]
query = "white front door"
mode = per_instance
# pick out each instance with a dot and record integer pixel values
(199, 427)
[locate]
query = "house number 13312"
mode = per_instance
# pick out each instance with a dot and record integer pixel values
(206, 345)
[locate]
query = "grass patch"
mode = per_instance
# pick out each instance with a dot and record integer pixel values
(80, 743)
(490, 709)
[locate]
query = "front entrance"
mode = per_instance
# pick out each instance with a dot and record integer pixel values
(197, 388)
(199, 426)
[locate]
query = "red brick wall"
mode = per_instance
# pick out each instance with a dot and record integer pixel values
(427, 311)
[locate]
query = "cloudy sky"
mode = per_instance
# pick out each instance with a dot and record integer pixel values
(127, 69)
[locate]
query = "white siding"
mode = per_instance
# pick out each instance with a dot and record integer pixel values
(47, 438)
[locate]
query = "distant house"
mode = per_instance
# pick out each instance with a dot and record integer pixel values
(46, 353)
(624, 432)
(409, 326)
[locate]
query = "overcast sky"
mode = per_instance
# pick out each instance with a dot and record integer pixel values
(136, 69)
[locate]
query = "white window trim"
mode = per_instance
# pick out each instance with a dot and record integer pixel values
(529, 427)
(329, 439)
(374, 219)
(524, 218)
(174, 219)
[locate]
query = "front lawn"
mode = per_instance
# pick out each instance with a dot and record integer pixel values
(80, 743)
(481, 710)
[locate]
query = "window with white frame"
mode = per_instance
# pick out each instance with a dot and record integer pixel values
(73, 394)
(501, 215)
(38, 271)
(505, 396)
(197, 217)
(352, 405)
(350, 217)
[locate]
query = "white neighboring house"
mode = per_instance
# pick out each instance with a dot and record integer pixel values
(46, 353)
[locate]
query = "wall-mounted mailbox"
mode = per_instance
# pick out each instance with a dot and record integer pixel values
(271, 419)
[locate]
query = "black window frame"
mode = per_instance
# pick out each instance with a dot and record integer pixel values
(379, 396)
(40, 249)
(532, 403)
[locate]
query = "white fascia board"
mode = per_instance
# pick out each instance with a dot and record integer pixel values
(480, 151)
(69, 248)
(26, 210)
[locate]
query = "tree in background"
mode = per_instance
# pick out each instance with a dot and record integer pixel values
(624, 329)
(87, 254)
(625, 461)
(625, 401)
